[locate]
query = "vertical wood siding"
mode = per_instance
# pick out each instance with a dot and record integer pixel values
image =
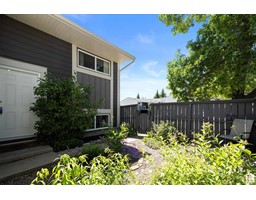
(21, 42)
(100, 88)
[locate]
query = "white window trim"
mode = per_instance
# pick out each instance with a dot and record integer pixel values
(102, 128)
(84, 70)
(95, 65)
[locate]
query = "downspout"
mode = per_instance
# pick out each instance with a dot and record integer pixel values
(128, 65)
(118, 110)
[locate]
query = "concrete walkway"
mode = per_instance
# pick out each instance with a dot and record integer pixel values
(22, 161)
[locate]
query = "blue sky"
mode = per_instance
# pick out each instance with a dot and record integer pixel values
(145, 37)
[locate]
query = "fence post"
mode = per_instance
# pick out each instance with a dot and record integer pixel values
(189, 119)
(216, 113)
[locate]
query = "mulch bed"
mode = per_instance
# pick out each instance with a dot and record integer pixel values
(25, 179)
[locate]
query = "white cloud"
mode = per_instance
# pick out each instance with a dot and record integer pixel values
(153, 69)
(145, 38)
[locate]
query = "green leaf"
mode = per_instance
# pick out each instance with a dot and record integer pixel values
(221, 61)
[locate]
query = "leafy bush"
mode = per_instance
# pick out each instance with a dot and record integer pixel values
(67, 144)
(164, 129)
(111, 170)
(163, 132)
(198, 163)
(63, 109)
(128, 129)
(93, 150)
(114, 139)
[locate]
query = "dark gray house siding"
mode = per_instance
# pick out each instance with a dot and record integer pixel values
(21, 42)
(100, 88)
(115, 91)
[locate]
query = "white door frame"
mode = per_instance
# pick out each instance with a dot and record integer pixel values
(19, 66)
(22, 66)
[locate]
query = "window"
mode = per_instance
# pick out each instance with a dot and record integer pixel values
(102, 66)
(86, 60)
(100, 122)
(93, 62)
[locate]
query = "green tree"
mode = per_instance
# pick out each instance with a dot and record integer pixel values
(138, 96)
(157, 95)
(220, 62)
(163, 94)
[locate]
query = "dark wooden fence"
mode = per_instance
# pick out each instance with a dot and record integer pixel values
(189, 117)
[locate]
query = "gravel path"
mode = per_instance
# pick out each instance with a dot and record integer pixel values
(142, 167)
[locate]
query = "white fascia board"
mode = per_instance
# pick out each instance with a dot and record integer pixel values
(94, 37)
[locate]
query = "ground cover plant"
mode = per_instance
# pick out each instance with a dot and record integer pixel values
(95, 164)
(93, 150)
(203, 160)
(199, 163)
(113, 169)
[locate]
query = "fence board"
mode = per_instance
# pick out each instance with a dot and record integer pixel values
(189, 117)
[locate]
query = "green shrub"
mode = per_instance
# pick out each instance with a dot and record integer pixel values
(197, 163)
(114, 139)
(127, 129)
(111, 170)
(67, 144)
(63, 109)
(93, 150)
(164, 129)
(163, 132)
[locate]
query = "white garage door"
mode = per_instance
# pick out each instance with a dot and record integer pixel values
(16, 96)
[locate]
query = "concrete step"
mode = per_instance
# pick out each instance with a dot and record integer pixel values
(23, 161)
(12, 156)
(19, 167)
(7, 146)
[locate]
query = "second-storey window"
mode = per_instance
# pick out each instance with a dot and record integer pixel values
(93, 62)
(86, 60)
(102, 66)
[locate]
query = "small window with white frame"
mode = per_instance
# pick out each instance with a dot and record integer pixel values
(101, 121)
(93, 62)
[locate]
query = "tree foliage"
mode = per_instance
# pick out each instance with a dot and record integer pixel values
(219, 63)
(163, 94)
(157, 95)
